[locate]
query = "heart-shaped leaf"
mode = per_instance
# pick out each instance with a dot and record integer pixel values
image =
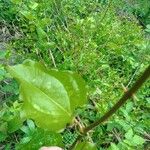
(49, 96)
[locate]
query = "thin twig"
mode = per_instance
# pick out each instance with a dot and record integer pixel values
(52, 57)
(133, 76)
(116, 134)
(126, 89)
(79, 125)
(51, 54)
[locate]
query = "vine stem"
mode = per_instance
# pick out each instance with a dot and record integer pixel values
(120, 103)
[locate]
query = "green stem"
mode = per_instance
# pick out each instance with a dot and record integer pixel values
(120, 103)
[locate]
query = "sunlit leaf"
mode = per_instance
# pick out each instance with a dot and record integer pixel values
(49, 96)
(137, 140)
(113, 147)
(27, 14)
(129, 134)
(33, 5)
(41, 33)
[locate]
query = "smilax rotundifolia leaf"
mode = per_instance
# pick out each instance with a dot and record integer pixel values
(49, 96)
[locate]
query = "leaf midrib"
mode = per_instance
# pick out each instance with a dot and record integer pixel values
(58, 105)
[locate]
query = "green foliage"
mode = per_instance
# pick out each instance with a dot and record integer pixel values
(85, 146)
(105, 41)
(10, 120)
(148, 28)
(34, 138)
(3, 131)
(54, 94)
(2, 73)
(133, 140)
(7, 11)
(140, 8)
(69, 137)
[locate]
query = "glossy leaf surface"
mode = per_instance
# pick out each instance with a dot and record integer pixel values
(49, 96)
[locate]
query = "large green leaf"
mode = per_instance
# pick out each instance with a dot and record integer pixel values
(49, 96)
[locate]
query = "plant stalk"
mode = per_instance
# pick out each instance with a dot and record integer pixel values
(120, 103)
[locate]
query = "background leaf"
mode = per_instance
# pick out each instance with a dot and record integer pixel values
(85, 146)
(38, 139)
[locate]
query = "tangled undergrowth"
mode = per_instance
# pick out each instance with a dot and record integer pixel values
(105, 41)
